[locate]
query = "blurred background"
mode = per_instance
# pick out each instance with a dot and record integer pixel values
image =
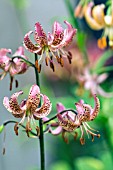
(16, 19)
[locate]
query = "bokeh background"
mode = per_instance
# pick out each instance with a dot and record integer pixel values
(17, 18)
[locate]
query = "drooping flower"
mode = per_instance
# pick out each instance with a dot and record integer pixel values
(13, 67)
(80, 8)
(92, 82)
(68, 122)
(52, 45)
(55, 128)
(29, 108)
(97, 20)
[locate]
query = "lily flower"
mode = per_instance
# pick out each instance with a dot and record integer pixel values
(97, 20)
(92, 82)
(52, 45)
(13, 67)
(29, 108)
(80, 8)
(55, 128)
(85, 114)
(69, 122)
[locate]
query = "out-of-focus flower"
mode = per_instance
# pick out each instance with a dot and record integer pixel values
(52, 45)
(69, 122)
(13, 67)
(92, 82)
(29, 108)
(97, 20)
(80, 8)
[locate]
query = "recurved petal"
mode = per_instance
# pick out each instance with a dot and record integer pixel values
(6, 104)
(29, 45)
(90, 20)
(4, 51)
(40, 36)
(44, 110)
(96, 109)
(103, 93)
(68, 34)
(33, 98)
(79, 108)
(58, 33)
(15, 107)
(19, 51)
(56, 131)
(60, 107)
(102, 77)
(98, 14)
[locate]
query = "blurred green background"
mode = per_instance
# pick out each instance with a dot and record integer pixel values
(16, 18)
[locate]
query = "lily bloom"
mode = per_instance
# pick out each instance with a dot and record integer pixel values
(80, 8)
(69, 122)
(52, 45)
(55, 128)
(92, 82)
(97, 20)
(29, 108)
(12, 66)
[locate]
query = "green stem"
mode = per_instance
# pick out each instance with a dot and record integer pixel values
(70, 10)
(41, 137)
(74, 111)
(26, 61)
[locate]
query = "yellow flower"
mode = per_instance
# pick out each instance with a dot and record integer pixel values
(97, 20)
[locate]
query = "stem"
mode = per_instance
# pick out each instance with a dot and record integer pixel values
(41, 137)
(60, 113)
(26, 61)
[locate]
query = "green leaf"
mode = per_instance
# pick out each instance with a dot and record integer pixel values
(107, 160)
(101, 61)
(89, 163)
(60, 166)
(1, 128)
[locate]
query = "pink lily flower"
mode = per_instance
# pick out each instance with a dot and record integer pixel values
(69, 122)
(92, 82)
(52, 45)
(13, 67)
(29, 108)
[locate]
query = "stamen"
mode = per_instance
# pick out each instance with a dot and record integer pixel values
(64, 137)
(11, 82)
(51, 65)
(16, 83)
(102, 43)
(16, 127)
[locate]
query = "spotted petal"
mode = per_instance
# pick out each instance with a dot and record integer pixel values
(34, 98)
(29, 45)
(45, 109)
(14, 106)
(58, 34)
(6, 104)
(40, 36)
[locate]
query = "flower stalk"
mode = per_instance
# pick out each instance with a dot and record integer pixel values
(41, 137)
